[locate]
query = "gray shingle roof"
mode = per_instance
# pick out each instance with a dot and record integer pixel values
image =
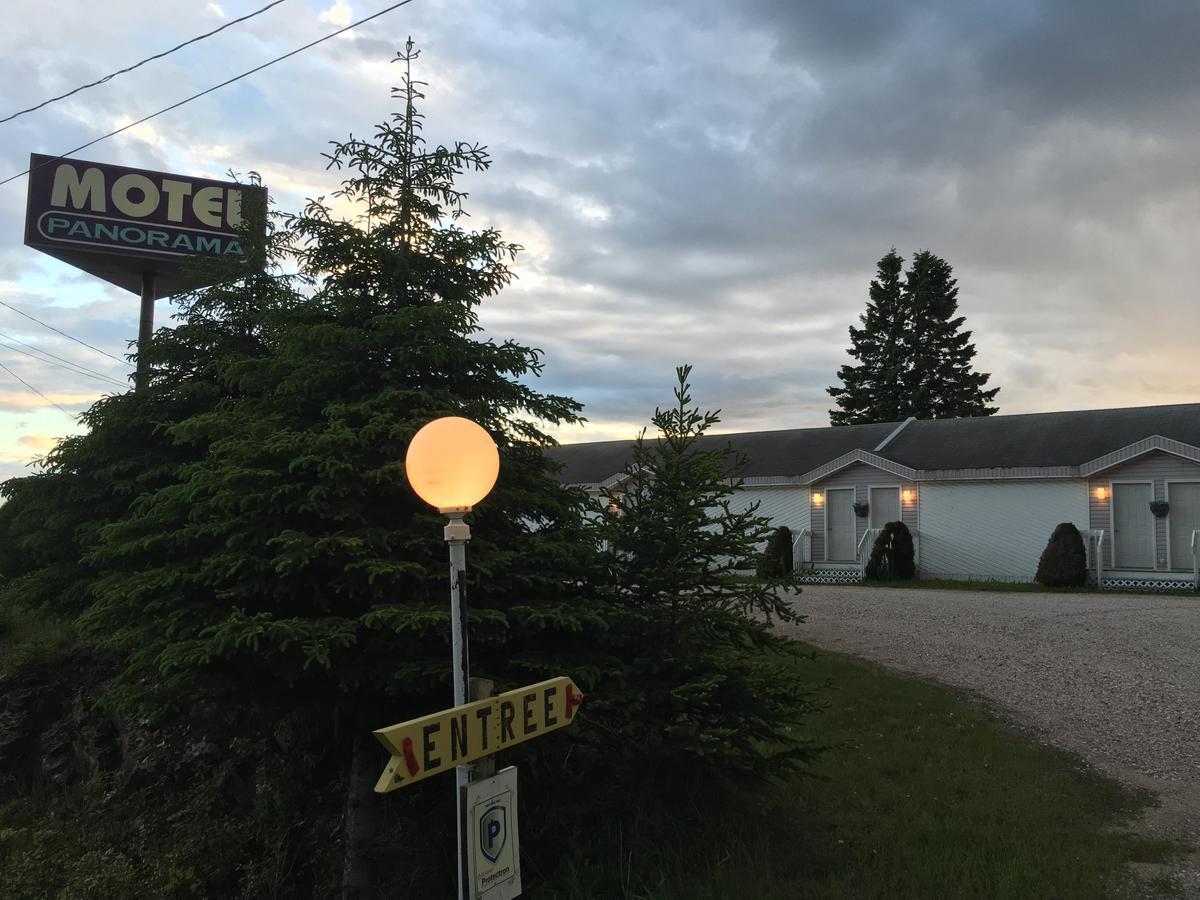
(1038, 439)
(781, 453)
(1031, 440)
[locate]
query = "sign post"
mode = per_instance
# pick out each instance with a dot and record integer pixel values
(486, 815)
(452, 463)
(145, 328)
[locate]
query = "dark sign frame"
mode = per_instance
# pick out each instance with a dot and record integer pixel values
(126, 225)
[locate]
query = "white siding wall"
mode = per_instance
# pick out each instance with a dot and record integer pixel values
(994, 529)
(783, 505)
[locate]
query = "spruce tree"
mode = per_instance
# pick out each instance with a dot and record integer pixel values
(872, 391)
(939, 379)
(262, 552)
(696, 688)
(914, 359)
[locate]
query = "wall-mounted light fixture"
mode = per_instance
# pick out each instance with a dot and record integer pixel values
(1101, 493)
(908, 495)
(818, 499)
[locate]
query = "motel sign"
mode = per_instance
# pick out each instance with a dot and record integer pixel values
(122, 224)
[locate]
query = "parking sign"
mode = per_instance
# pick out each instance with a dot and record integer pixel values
(494, 860)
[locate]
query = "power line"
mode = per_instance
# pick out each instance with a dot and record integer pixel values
(35, 390)
(123, 362)
(137, 65)
(60, 365)
(70, 366)
(215, 87)
(56, 365)
(70, 362)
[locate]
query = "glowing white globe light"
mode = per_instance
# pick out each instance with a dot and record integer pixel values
(452, 463)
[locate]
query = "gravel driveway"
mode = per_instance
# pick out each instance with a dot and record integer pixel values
(1113, 677)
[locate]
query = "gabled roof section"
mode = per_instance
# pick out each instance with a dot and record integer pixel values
(769, 453)
(1134, 450)
(866, 457)
(1038, 440)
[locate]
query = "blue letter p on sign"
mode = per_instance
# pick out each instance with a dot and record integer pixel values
(492, 832)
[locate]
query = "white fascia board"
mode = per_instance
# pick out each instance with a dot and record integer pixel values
(860, 456)
(1139, 448)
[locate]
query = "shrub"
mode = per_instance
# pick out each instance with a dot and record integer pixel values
(893, 555)
(777, 556)
(1064, 561)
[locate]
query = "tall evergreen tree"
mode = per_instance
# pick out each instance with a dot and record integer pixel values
(940, 379)
(914, 358)
(872, 390)
(259, 548)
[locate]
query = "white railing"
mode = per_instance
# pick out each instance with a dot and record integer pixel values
(1196, 559)
(805, 538)
(862, 556)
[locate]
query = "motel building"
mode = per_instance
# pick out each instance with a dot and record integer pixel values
(981, 496)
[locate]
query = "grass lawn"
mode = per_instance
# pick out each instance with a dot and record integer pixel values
(923, 794)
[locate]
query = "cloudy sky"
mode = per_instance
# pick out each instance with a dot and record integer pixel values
(704, 182)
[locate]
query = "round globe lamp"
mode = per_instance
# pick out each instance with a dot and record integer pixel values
(452, 464)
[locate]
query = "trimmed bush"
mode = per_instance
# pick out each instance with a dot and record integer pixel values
(892, 556)
(1064, 561)
(776, 559)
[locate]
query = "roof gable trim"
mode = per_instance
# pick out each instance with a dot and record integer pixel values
(866, 457)
(1140, 448)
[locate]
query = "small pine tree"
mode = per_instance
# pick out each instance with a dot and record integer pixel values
(777, 555)
(893, 554)
(1064, 561)
(697, 688)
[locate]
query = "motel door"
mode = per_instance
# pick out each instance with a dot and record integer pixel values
(884, 506)
(839, 525)
(1133, 526)
(1182, 519)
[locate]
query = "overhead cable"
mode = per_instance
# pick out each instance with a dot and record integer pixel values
(63, 333)
(69, 366)
(215, 87)
(137, 65)
(35, 390)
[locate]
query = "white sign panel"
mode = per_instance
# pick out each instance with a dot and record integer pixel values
(494, 855)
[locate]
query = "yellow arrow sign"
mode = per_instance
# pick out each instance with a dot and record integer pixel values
(439, 742)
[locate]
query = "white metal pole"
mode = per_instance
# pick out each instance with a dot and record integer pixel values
(457, 534)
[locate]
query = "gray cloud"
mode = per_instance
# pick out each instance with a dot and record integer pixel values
(713, 183)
